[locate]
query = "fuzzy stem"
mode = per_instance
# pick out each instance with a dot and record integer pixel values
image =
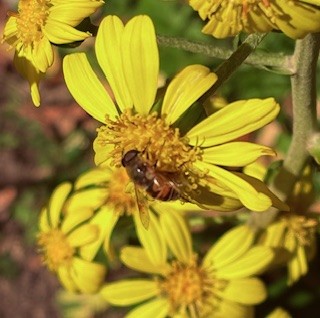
(303, 84)
(276, 61)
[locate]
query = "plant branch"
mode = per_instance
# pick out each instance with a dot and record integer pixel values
(274, 61)
(303, 84)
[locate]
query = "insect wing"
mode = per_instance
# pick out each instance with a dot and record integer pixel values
(143, 209)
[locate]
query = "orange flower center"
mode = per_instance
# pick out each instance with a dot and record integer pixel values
(187, 287)
(55, 249)
(118, 193)
(31, 20)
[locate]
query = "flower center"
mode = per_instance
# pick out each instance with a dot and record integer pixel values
(31, 19)
(55, 248)
(302, 228)
(160, 145)
(119, 196)
(188, 287)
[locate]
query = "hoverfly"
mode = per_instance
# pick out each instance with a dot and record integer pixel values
(158, 184)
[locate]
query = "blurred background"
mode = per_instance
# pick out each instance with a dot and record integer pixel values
(40, 147)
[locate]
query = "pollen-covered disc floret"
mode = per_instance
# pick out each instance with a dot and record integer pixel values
(187, 286)
(160, 145)
(31, 19)
(118, 195)
(55, 249)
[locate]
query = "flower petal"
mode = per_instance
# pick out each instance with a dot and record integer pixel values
(137, 259)
(129, 292)
(90, 198)
(248, 291)
(93, 177)
(232, 121)
(57, 202)
(187, 86)
(235, 154)
(82, 235)
(66, 280)
(111, 221)
(72, 220)
(156, 308)
(254, 262)
(298, 265)
(234, 310)
(61, 33)
(104, 220)
(44, 225)
(141, 58)
(85, 87)
(72, 13)
(108, 50)
(42, 56)
(245, 192)
(177, 235)
(88, 276)
(152, 240)
(227, 249)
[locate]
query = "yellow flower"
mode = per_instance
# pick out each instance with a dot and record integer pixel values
(226, 18)
(197, 159)
(70, 234)
(295, 234)
(37, 25)
(223, 284)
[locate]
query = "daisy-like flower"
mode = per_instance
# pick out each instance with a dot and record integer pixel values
(293, 234)
(37, 25)
(71, 231)
(222, 284)
(295, 18)
(197, 158)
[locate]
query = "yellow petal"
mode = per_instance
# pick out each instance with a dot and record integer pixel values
(93, 177)
(72, 220)
(61, 33)
(105, 220)
(298, 265)
(82, 235)
(232, 121)
(44, 221)
(137, 259)
(10, 31)
(57, 202)
(228, 249)
(66, 280)
(141, 58)
(235, 154)
(247, 291)
(274, 234)
(234, 310)
(152, 240)
(90, 198)
(85, 87)
(31, 73)
(279, 313)
(254, 262)
(42, 54)
(102, 153)
(129, 292)
(177, 235)
(246, 193)
(187, 86)
(73, 12)
(108, 50)
(156, 308)
(88, 276)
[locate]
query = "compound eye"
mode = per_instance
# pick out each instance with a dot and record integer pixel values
(129, 156)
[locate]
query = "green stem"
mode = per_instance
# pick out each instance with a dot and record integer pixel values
(304, 97)
(275, 61)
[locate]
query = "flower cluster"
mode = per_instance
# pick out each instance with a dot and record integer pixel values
(225, 18)
(181, 284)
(201, 159)
(36, 26)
